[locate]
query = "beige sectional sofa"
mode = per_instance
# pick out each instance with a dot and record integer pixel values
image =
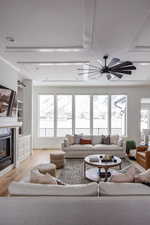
(77, 150)
(25, 188)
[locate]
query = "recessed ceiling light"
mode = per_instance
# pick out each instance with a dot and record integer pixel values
(10, 39)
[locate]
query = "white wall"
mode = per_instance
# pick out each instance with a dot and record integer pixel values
(133, 113)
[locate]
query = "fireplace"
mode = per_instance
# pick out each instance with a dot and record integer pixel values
(6, 147)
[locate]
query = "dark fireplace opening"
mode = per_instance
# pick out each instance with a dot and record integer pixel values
(6, 147)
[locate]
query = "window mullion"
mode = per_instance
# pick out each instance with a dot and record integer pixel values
(91, 114)
(55, 116)
(73, 114)
(109, 114)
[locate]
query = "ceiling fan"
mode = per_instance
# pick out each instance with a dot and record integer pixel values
(115, 68)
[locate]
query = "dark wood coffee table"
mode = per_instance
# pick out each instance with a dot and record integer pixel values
(100, 169)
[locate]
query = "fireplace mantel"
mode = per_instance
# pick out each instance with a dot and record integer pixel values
(10, 124)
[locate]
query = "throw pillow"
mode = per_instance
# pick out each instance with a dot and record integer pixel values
(71, 139)
(143, 177)
(77, 138)
(120, 141)
(96, 139)
(38, 178)
(128, 177)
(114, 139)
(85, 141)
(106, 139)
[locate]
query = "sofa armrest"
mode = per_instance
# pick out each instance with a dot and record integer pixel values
(141, 148)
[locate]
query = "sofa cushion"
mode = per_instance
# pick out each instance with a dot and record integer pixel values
(96, 139)
(123, 189)
(81, 147)
(107, 147)
(29, 189)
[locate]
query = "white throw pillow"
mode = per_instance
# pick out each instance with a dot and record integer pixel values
(71, 139)
(143, 177)
(124, 178)
(39, 178)
(114, 139)
(96, 139)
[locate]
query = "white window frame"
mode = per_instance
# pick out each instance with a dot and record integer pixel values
(73, 113)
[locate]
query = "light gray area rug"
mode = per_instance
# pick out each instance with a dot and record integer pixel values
(72, 173)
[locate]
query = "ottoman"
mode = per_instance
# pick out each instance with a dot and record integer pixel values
(47, 168)
(57, 157)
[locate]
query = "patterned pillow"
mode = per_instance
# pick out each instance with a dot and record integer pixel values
(106, 139)
(114, 139)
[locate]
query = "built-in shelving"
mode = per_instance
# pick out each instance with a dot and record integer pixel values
(20, 107)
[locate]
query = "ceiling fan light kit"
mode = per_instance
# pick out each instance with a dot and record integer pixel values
(115, 68)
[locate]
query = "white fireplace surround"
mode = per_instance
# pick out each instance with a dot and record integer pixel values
(11, 123)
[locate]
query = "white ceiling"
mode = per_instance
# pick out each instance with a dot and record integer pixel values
(115, 27)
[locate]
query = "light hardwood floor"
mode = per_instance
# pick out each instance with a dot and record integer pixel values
(38, 157)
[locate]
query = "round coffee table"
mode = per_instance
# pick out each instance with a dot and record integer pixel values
(95, 173)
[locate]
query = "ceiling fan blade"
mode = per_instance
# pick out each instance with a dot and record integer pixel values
(113, 62)
(123, 64)
(124, 68)
(122, 71)
(81, 69)
(89, 72)
(96, 67)
(125, 72)
(100, 62)
(117, 75)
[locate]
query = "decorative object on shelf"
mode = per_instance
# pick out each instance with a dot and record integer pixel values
(115, 68)
(146, 136)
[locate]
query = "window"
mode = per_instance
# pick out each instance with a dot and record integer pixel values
(118, 114)
(64, 115)
(82, 114)
(88, 114)
(46, 124)
(145, 116)
(100, 114)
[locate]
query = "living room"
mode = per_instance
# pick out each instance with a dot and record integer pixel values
(74, 111)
